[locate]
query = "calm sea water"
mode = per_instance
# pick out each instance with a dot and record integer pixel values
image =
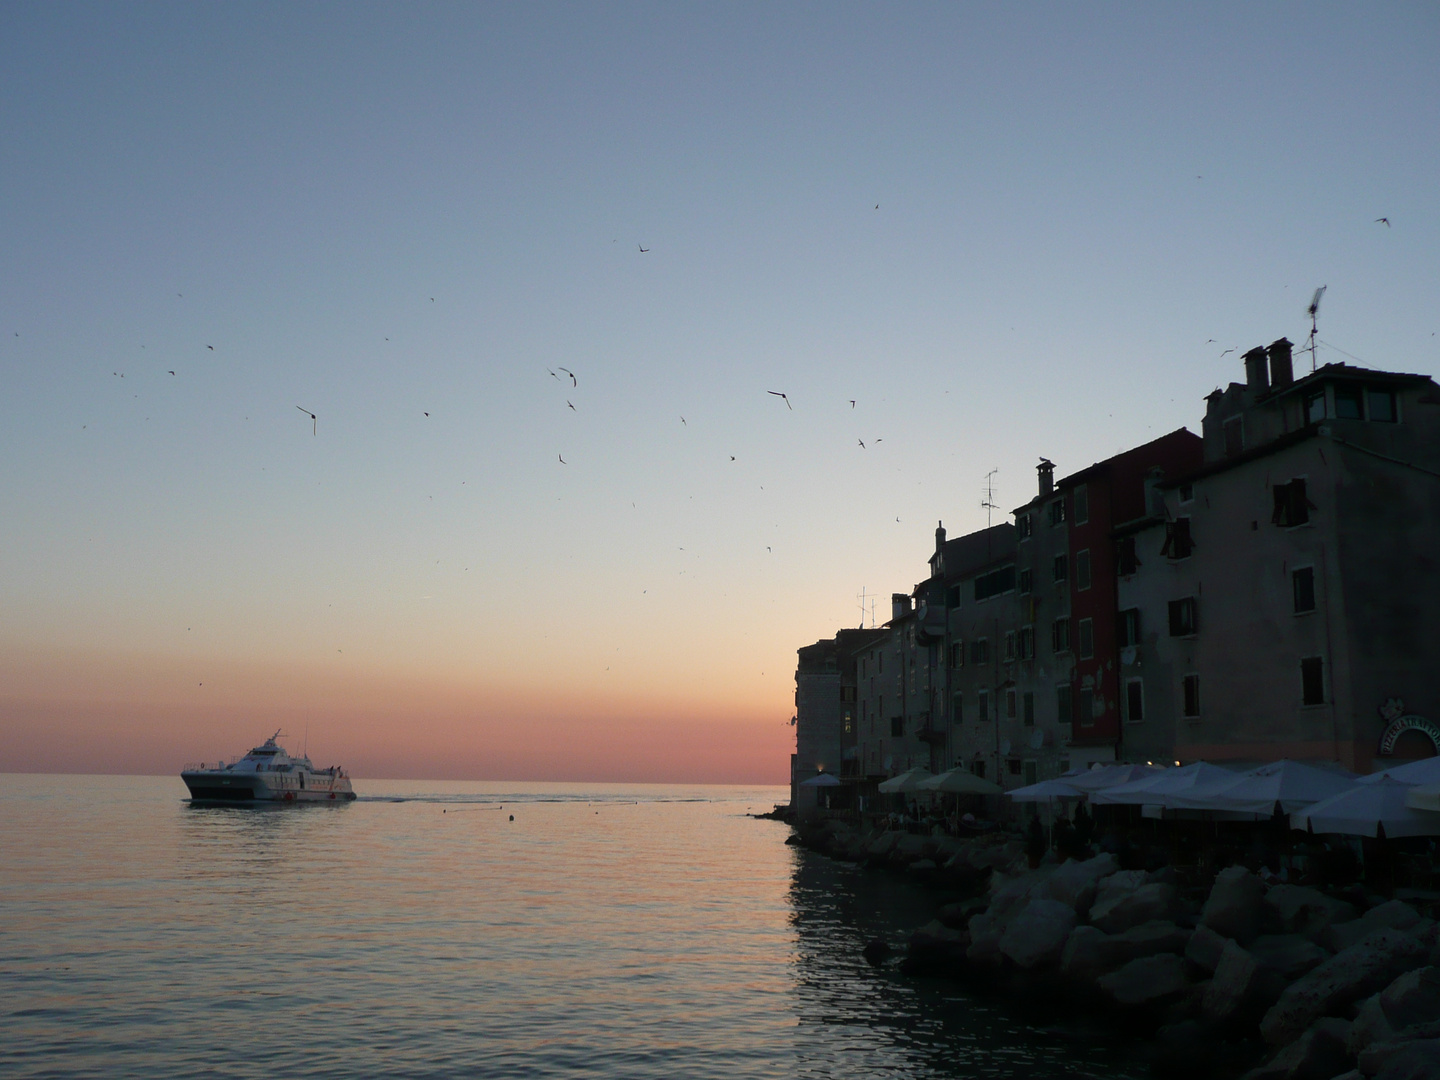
(609, 931)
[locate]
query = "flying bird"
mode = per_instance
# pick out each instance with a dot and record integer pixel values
(552, 375)
(642, 249)
(573, 381)
(862, 443)
(1383, 221)
(1226, 353)
(572, 408)
(778, 394)
(172, 373)
(732, 457)
(210, 347)
(427, 414)
(852, 403)
(314, 424)
(877, 206)
(562, 459)
(682, 420)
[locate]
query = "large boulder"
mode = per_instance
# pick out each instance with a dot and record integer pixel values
(1318, 1054)
(1150, 902)
(1371, 1026)
(935, 948)
(1242, 988)
(1074, 882)
(1393, 915)
(1411, 1059)
(1288, 955)
(1234, 907)
(1090, 952)
(1357, 972)
(1302, 910)
(1204, 948)
(1148, 983)
(1035, 936)
(1413, 998)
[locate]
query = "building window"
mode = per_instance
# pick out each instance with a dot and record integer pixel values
(1187, 493)
(1024, 526)
(1135, 701)
(1382, 405)
(1291, 505)
(1348, 403)
(1082, 505)
(957, 654)
(1027, 643)
(957, 708)
(1082, 569)
(982, 706)
(1178, 544)
(1015, 766)
(995, 583)
(1027, 708)
(980, 651)
(1302, 582)
(1032, 772)
(1057, 512)
(1062, 704)
(1086, 635)
(897, 726)
(1312, 680)
(1026, 582)
(952, 596)
(1087, 706)
(1192, 695)
(978, 767)
(1010, 704)
(1061, 568)
(1234, 436)
(1009, 645)
(1184, 619)
(1125, 560)
(1129, 627)
(1315, 407)
(1060, 635)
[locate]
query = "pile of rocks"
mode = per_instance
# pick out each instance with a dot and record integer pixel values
(1317, 986)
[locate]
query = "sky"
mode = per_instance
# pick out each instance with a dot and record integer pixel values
(540, 271)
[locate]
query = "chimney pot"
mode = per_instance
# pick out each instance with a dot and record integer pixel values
(1281, 371)
(899, 605)
(1046, 469)
(1256, 378)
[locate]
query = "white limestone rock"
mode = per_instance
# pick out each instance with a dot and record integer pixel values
(1302, 910)
(1413, 998)
(1395, 915)
(1242, 986)
(1289, 955)
(1205, 947)
(1074, 882)
(1233, 908)
(1409, 1059)
(1147, 983)
(1371, 1026)
(1318, 1054)
(1150, 902)
(1367, 966)
(1036, 936)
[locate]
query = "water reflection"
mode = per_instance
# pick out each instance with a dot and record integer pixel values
(855, 1019)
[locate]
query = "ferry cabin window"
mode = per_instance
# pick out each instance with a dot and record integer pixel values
(1348, 403)
(1302, 583)
(1382, 406)
(1312, 681)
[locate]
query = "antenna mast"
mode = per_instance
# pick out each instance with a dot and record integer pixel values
(987, 502)
(1313, 311)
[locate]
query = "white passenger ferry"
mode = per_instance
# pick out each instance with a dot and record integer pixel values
(266, 774)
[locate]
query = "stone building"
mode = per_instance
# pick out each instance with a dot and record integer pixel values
(1283, 599)
(826, 728)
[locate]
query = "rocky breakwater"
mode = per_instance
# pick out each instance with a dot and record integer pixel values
(1277, 982)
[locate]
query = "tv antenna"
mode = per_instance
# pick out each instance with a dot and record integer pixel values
(1313, 311)
(987, 501)
(862, 607)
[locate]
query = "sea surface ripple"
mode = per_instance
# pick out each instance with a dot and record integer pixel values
(611, 931)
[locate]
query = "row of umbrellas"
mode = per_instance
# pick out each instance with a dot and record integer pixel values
(1403, 801)
(954, 782)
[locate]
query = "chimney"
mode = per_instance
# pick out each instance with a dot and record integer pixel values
(1046, 469)
(1255, 377)
(899, 606)
(939, 538)
(1281, 373)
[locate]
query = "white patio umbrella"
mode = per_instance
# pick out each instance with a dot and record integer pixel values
(1108, 776)
(906, 781)
(1423, 797)
(1292, 784)
(1424, 771)
(1044, 791)
(1365, 808)
(959, 782)
(823, 779)
(1155, 786)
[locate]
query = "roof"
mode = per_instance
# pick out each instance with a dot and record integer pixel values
(1099, 467)
(1349, 374)
(973, 551)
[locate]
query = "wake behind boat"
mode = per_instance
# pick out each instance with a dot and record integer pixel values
(267, 774)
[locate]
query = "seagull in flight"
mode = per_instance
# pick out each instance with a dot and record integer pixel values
(852, 403)
(1383, 221)
(572, 408)
(778, 394)
(573, 381)
(1226, 353)
(210, 347)
(562, 459)
(552, 374)
(642, 248)
(314, 424)
(172, 373)
(862, 443)
(682, 420)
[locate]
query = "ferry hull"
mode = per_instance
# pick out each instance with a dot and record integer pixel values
(230, 788)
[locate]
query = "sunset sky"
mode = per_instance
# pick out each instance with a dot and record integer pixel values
(1002, 231)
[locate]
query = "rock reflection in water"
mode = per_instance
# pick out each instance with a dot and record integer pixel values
(892, 1023)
